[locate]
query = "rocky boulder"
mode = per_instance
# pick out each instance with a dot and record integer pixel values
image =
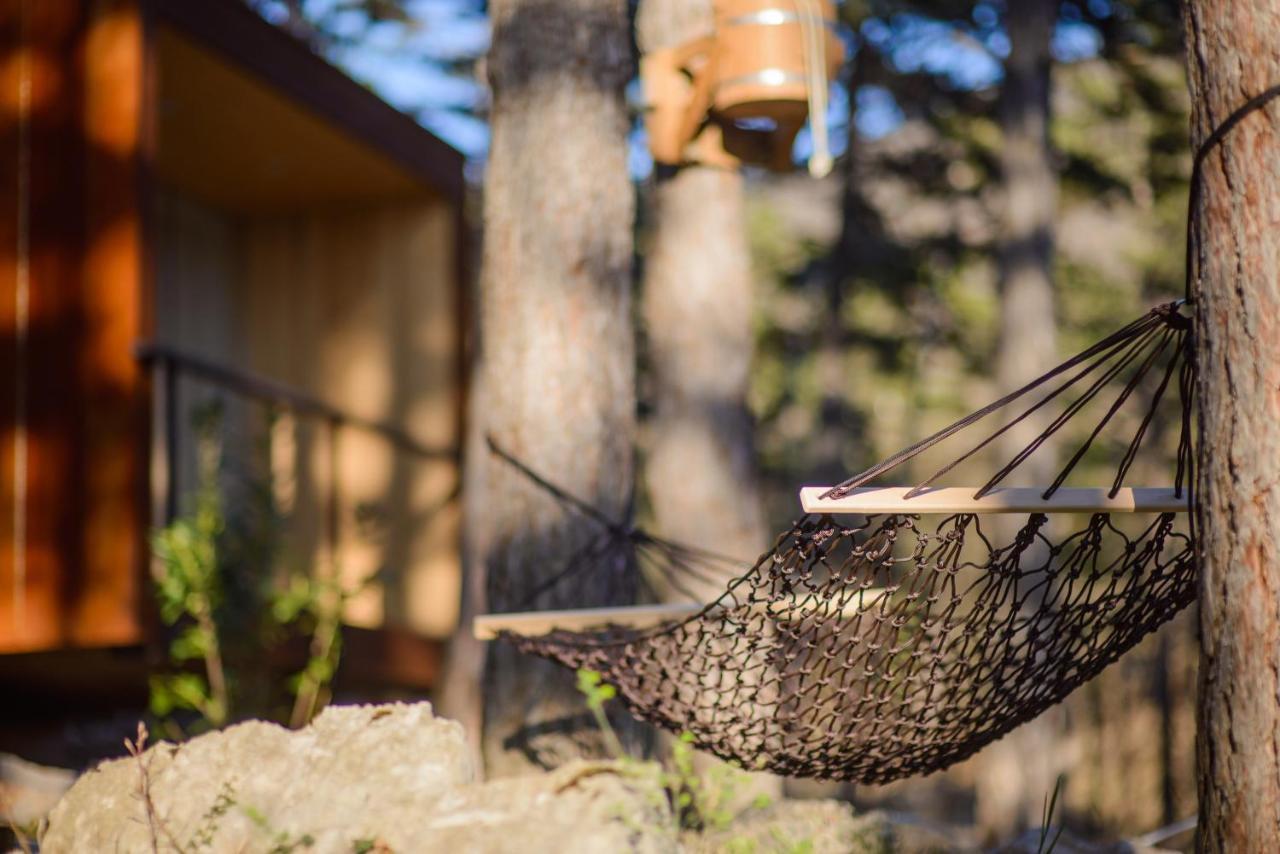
(358, 779)
(814, 827)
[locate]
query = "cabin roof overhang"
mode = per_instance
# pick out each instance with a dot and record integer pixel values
(220, 62)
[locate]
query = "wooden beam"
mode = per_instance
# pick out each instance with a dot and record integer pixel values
(108, 577)
(487, 627)
(533, 623)
(867, 501)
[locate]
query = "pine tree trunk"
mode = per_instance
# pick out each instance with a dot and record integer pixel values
(697, 303)
(697, 308)
(1028, 345)
(555, 371)
(1018, 771)
(1233, 53)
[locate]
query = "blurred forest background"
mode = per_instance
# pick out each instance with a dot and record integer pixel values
(899, 292)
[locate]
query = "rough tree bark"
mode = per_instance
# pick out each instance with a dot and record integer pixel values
(1028, 345)
(1233, 54)
(554, 379)
(697, 305)
(1019, 770)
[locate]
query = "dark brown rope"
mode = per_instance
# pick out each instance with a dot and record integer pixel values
(1211, 142)
(873, 651)
(1122, 346)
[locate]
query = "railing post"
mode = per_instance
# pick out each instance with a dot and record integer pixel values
(332, 425)
(169, 378)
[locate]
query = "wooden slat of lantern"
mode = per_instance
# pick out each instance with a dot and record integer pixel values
(761, 66)
(760, 58)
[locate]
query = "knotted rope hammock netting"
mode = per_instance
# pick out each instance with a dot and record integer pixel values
(870, 646)
(886, 645)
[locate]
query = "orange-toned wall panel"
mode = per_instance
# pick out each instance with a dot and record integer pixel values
(70, 283)
(112, 428)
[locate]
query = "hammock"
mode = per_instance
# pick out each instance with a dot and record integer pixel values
(896, 631)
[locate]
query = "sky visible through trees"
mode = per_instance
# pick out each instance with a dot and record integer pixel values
(421, 56)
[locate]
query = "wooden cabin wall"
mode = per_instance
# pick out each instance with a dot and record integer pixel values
(72, 398)
(198, 257)
(198, 260)
(358, 308)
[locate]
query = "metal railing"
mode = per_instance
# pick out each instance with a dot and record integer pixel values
(169, 365)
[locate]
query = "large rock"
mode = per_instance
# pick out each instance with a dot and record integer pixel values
(582, 808)
(360, 778)
(396, 778)
(816, 827)
(28, 791)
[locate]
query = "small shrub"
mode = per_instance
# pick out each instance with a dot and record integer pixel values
(699, 801)
(220, 585)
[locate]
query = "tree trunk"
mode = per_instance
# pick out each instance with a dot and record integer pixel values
(555, 370)
(1233, 53)
(1028, 344)
(1019, 770)
(697, 304)
(697, 307)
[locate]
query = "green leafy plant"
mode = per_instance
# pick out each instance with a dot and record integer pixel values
(597, 693)
(282, 842)
(207, 830)
(317, 605)
(705, 800)
(699, 801)
(188, 587)
(1047, 843)
(220, 586)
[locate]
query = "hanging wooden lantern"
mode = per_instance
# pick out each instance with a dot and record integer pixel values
(764, 53)
(773, 61)
(768, 63)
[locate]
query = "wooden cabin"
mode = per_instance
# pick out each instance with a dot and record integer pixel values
(199, 208)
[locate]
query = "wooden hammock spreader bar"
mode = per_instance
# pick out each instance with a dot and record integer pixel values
(488, 626)
(533, 623)
(867, 501)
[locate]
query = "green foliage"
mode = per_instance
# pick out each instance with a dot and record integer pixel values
(188, 589)
(791, 846)
(1049, 840)
(597, 693)
(209, 822)
(221, 585)
(281, 841)
(705, 801)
